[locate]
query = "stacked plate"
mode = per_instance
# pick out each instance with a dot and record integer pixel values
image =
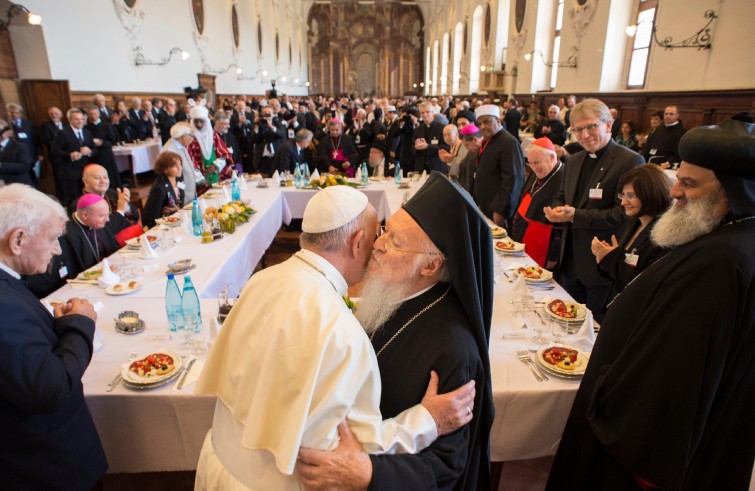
(575, 321)
(133, 381)
(544, 275)
(508, 247)
(498, 232)
(581, 362)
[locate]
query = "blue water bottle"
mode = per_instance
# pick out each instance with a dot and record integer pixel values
(397, 173)
(192, 314)
(365, 174)
(307, 177)
(196, 218)
(235, 191)
(173, 304)
(297, 176)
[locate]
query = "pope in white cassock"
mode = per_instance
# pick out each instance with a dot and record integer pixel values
(292, 362)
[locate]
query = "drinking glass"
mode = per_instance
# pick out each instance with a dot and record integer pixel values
(558, 330)
(540, 328)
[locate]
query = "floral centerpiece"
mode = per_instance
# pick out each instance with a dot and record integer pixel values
(229, 215)
(328, 180)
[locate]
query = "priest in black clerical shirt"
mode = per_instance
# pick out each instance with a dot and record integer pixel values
(662, 146)
(668, 398)
(89, 240)
(427, 301)
(428, 141)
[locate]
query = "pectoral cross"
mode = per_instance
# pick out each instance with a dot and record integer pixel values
(335, 154)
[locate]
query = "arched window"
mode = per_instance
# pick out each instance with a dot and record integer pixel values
(444, 64)
(557, 42)
(458, 47)
(638, 63)
(428, 60)
(474, 56)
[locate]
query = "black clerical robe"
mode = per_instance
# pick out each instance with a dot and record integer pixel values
(105, 157)
(669, 393)
(440, 339)
(336, 151)
(85, 251)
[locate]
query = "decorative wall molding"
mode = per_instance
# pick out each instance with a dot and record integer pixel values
(518, 39)
(581, 14)
(131, 18)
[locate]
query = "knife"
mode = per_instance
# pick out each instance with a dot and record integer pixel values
(186, 373)
(116, 380)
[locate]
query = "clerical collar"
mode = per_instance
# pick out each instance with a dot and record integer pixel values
(672, 124)
(598, 154)
(419, 293)
(322, 266)
(8, 270)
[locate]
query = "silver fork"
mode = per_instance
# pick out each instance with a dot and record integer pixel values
(116, 380)
(524, 357)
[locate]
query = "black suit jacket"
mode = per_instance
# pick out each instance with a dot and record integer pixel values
(593, 217)
(82, 256)
(393, 137)
(428, 159)
(25, 134)
(48, 440)
(67, 170)
(105, 114)
(141, 128)
(499, 177)
(159, 197)
(616, 269)
(287, 157)
(16, 163)
(49, 130)
(165, 122)
(512, 120)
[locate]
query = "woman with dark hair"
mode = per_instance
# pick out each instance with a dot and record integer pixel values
(644, 196)
(167, 195)
(627, 137)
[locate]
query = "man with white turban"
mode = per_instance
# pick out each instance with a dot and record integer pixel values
(208, 152)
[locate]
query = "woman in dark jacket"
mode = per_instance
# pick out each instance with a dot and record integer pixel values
(644, 196)
(167, 195)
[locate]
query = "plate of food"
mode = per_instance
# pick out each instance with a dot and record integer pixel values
(509, 247)
(534, 274)
(376, 178)
(123, 288)
(94, 274)
(565, 311)
(136, 242)
(152, 370)
(564, 361)
(498, 232)
(171, 221)
(210, 195)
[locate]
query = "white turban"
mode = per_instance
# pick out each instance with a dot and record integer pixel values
(488, 110)
(203, 136)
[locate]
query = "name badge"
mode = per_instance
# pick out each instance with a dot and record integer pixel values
(63, 271)
(291, 133)
(653, 151)
(596, 193)
(230, 150)
(357, 140)
(181, 185)
(434, 141)
(23, 136)
(631, 259)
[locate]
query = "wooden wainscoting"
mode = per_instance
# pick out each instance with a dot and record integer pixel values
(696, 108)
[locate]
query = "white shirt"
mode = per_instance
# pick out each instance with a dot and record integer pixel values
(9, 271)
(290, 363)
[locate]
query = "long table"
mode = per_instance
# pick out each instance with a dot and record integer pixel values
(162, 429)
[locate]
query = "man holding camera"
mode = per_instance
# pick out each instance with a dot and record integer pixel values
(267, 135)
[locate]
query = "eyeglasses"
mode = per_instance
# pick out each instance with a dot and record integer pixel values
(628, 196)
(589, 128)
(390, 247)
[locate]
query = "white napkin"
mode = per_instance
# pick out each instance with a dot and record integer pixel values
(108, 278)
(187, 222)
(147, 252)
(315, 175)
(242, 183)
(202, 204)
(214, 331)
(424, 175)
(192, 377)
(519, 288)
(276, 177)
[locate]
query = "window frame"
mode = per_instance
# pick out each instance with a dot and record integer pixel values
(642, 6)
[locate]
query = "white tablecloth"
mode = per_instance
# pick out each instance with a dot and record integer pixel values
(162, 429)
(142, 156)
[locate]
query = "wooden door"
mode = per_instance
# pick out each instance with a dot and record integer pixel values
(38, 96)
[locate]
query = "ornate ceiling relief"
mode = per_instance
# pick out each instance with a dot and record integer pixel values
(200, 39)
(131, 17)
(581, 14)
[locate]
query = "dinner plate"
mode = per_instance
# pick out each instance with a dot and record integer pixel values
(518, 247)
(580, 317)
(583, 359)
(172, 221)
(133, 379)
(126, 290)
(545, 276)
(135, 386)
(498, 232)
(210, 195)
(93, 274)
(136, 242)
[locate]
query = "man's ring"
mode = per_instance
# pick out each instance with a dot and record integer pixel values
(469, 411)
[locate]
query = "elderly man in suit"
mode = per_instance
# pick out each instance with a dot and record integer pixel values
(49, 440)
(105, 137)
(72, 149)
(15, 161)
(499, 175)
(24, 133)
(99, 102)
(292, 152)
(587, 204)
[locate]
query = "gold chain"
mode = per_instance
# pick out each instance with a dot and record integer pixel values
(412, 320)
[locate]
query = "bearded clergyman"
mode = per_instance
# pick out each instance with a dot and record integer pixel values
(668, 398)
(427, 304)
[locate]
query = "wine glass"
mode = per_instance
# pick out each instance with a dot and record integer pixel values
(558, 330)
(540, 328)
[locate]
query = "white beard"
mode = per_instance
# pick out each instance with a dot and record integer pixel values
(680, 225)
(380, 299)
